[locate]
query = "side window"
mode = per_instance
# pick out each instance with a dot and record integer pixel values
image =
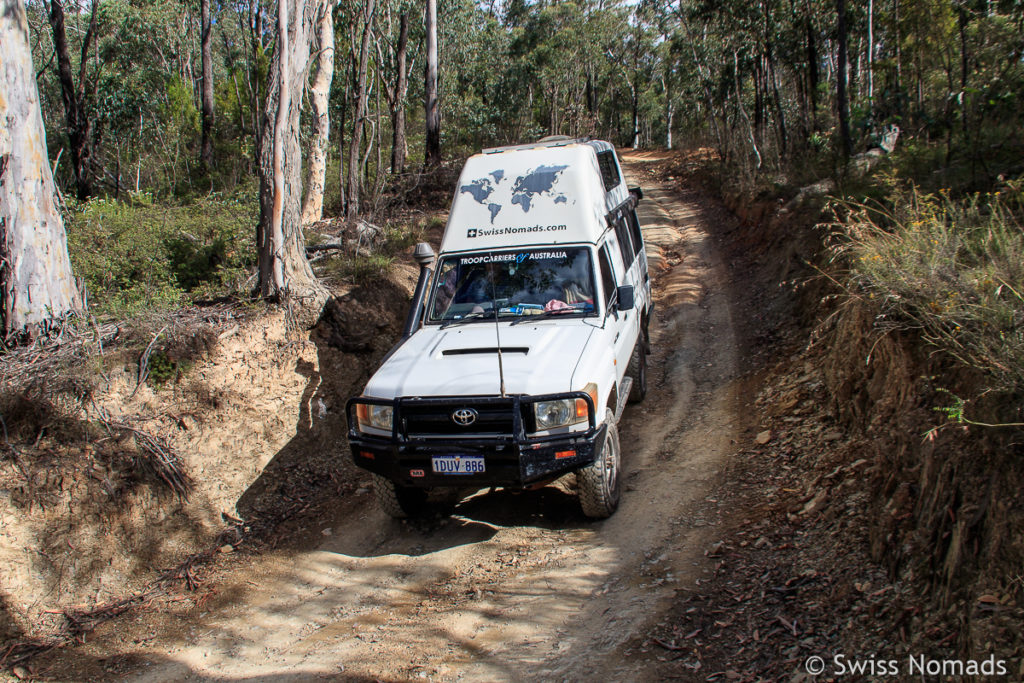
(634, 230)
(638, 239)
(445, 284)
(607, 278)
(625, 241)
(609, 170)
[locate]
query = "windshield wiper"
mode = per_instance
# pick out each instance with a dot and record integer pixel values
(547, 314)
(466, 318)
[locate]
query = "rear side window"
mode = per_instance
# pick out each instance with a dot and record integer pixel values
(609, 170)
(625, 241)
(634, 230)
(638, 239)
(631, 218)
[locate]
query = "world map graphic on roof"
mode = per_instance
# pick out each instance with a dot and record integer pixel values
(538, 182)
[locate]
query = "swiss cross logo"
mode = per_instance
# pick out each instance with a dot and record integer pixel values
(471, 232)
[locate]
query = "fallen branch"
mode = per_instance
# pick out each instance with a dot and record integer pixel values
(144, 362)
(312, 248)
(155, 453)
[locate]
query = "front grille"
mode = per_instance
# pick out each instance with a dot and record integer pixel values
(435, 419)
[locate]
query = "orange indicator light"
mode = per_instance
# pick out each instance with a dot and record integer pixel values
(581, 407)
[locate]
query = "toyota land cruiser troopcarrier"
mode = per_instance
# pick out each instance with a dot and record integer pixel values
(526, 336)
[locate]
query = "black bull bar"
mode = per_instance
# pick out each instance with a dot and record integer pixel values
(512, 459)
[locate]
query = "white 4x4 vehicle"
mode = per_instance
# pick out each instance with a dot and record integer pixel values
(525, 342)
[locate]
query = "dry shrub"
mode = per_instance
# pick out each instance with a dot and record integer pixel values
(953, 269)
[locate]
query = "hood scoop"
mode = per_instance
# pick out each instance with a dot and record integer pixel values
(485, 350)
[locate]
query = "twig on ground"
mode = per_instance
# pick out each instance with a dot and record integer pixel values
(144, 362)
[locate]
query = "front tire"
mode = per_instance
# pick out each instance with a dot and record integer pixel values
(399, 502)
(638, 371)
(599, 482)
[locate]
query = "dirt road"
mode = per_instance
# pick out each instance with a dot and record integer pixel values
(511, 586)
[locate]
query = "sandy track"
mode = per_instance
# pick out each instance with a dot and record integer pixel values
(511, 586)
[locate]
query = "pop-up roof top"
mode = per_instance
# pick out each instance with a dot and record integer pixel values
(555, 191)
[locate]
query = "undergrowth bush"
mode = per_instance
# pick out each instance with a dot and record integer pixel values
(951, 268)
(362, 268)
(138, 256)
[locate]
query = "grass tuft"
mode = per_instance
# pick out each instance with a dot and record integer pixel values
(951, 268)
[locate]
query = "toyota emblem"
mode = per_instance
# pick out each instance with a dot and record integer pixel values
(464, 416)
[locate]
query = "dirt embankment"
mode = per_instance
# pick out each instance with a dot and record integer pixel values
(861, 532)
(87, 515)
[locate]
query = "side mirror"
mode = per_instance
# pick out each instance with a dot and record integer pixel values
(625, 297)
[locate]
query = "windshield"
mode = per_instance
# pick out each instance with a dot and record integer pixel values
(553, 281)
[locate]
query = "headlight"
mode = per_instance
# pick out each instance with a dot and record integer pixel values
(551, 414)
(370, 415)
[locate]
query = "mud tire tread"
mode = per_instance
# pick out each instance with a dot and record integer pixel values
(599, 498)
(637, 369)
(398, 502)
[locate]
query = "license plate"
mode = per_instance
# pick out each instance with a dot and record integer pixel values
(458, 464)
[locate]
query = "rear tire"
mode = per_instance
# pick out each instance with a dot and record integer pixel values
(638, 371)
(599, 482)
(399, 502)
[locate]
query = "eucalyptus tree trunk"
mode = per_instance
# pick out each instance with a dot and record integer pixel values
(36, 284)
(742, 109)
(313, 204)
(206, 149)
(871, 56)
(284, 272)
(812, 68)
(842, 101)
(73, 95)
(359, 120)
(397, 100)
(431, 102)
(255, 101)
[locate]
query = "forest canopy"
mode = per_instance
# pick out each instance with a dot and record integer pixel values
(782, 92)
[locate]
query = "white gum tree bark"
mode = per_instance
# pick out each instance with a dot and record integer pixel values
(320, 90)
(284, 272)
(37, 288)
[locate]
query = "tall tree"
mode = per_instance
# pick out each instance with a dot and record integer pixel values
(36, 284)
(431, 102)
(320, 91)
(359, 120)
(76, 112)
(206, 151)
(396, 96)
(842, 101)
(284, 272)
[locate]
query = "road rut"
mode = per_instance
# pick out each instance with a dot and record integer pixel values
(511, 586)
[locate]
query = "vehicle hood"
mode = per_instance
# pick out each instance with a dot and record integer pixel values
(538, 358)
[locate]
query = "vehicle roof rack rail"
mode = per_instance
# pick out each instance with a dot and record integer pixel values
(549, 141)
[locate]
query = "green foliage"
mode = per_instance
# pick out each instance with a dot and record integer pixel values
(138, 256)
(180, 114)
(362, 268)
(951, 268)
(956, 413)
(161, 368)
(359, 268)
